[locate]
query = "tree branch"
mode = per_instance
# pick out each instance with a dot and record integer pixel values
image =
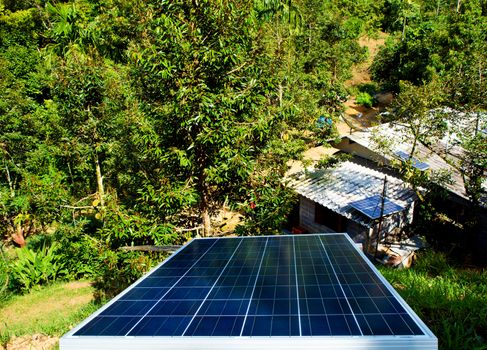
(151, 248)
(73, 207)
(237, 68)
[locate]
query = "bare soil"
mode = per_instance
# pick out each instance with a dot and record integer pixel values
(77, 285)
(356, 116)
(360, 72)
(225, 221)
(312, 156)
(31, 342)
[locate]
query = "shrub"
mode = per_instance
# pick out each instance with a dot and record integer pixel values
(332, 161)
(32, 268)
(77, 250)
(116, 269)
(364, 99)
(266, 208)
(4, 275)
(370, 88)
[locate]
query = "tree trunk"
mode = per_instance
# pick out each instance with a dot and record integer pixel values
(404, 28)
(280, 93)
(415, 143)
(10, 183)
(99, 181)
(458, 6)
(205, 215)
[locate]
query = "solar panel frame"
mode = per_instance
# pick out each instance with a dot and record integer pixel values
(370, 206)
(426, 341)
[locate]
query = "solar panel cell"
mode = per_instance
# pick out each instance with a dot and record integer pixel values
(215, 326)
(160, 326)
(343, 325)
(129, 308)
(400, 327)
(144, 294)
(175, 308)
(108, 326)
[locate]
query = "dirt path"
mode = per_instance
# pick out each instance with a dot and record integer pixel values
(356, 116)
(360, 72)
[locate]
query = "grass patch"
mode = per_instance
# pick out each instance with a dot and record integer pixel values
(50, 310)
(452, 301)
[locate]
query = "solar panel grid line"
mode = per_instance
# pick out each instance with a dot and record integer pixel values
(373, 301)
(194, 264)
(125, 292)
(414, 161)
(297, 287)
(255, 284)
(341, 287)
(410, 312)
(264, 310)
(209, 292)
(357, 308)
(366, 205)
(311, 312)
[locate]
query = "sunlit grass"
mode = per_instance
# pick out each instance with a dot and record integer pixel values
(50, 310)
(451, 301)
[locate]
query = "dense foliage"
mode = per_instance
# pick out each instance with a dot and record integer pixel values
(129, 122)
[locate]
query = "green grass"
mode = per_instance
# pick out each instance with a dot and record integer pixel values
(51, 310)
(451, 301)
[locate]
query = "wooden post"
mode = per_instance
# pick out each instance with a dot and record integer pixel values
(99, 181)
(381, 218)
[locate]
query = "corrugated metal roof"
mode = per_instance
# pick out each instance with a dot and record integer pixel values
(335, 188)
(397, 135)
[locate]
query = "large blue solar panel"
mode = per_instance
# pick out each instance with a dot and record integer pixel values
(415, 162)
(302, 287)
(371, 206)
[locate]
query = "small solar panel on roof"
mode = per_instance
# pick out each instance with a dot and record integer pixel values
(371, 206)
(279, 292)
(415, 162)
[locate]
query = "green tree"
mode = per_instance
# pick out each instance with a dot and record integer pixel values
(413, 109)
(203, 83)
(474, 164)
(31, 187)
(92, 121)
(450, 44)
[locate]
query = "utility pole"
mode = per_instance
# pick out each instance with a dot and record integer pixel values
(379, 228)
